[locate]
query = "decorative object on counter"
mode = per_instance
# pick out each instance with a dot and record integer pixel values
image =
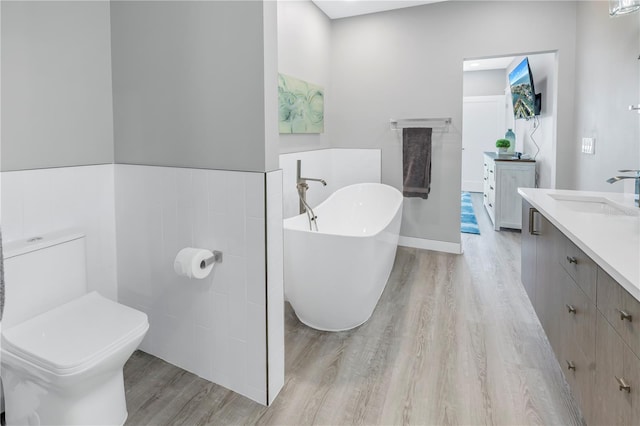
(468, 221)
(300, 106)
(502, 145)
(511, 137)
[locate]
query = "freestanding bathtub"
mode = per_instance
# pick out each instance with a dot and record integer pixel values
(334, 277)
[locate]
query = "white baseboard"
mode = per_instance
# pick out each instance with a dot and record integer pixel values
(421, 243)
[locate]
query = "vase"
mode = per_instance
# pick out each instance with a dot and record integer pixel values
(511, 137)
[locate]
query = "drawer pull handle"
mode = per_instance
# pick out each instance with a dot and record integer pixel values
(490, 171)
(490, 187)
(532, 231)
(490, 205)
(571, 309)
(625, 315)
(572, 260)
(571, 366)
(623, 385)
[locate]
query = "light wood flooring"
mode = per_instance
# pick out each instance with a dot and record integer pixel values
(453, 340)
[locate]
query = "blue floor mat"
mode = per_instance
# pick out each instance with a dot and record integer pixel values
(468, 221)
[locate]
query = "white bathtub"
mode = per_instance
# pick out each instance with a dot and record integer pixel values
(333, 278)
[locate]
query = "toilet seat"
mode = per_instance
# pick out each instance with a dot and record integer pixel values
(75, 336)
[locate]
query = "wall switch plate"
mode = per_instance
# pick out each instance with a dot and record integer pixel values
(588, 146)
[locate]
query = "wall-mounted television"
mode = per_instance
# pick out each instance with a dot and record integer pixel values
(526, 103)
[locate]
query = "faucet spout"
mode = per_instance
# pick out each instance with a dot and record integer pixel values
(637, 182)
(322, 181)
(302, 186)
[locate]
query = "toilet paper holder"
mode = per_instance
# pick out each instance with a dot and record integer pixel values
(216, 258)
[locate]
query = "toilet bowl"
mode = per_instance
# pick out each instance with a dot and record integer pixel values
(62, 364)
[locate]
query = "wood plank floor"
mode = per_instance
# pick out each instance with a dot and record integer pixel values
(453, 340)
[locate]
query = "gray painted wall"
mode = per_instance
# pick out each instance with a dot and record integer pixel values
(189, 84)
(408, 63)
(56, 85)
(484, 83)
(270, 86)
(607, 77)
(304, 51)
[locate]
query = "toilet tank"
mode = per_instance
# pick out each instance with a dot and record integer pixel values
(41, 273)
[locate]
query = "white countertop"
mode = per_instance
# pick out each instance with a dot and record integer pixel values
(612, 241)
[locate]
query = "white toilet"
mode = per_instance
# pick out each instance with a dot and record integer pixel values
(63, 349)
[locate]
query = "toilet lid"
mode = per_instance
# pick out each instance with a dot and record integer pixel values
(70, 337)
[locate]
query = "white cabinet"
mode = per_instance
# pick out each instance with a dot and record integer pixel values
(502, 178)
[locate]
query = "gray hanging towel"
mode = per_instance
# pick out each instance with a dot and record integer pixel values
(1, 279)
(416, 162)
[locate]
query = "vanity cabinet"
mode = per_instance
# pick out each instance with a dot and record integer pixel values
(589, 321)
(580, 267)
(502, 178)
(618, 354)
(616, 367)
(528, 246)
(621, 310)
(539, 265)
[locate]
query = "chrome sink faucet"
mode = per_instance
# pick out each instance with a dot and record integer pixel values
(302, 186)
(636, 177)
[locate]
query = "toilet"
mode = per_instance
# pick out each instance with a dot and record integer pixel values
(63, 348)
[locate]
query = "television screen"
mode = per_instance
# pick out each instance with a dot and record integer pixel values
(525, 104)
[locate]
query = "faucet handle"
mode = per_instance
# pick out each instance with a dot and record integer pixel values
(629, 171)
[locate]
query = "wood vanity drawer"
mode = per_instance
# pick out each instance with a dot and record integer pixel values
(581, 268)
(616, 366)
(577, 318)
(579, 371)
(621, 309)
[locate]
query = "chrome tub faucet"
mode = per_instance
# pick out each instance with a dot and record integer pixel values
(636, 177)
(302, 186)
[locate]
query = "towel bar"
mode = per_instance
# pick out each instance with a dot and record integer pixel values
(397, 124)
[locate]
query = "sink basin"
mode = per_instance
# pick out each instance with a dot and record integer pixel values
(593, 205)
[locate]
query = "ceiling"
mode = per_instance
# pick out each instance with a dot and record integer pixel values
(335, 9)
(487, 64)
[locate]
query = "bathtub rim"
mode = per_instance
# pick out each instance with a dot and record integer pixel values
(365, 235)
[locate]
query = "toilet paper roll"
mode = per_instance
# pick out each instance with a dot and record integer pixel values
(188, 262)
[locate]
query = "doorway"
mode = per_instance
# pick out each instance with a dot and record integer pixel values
(484, 120)
(485, 114)
(483, 123)
(488, 115)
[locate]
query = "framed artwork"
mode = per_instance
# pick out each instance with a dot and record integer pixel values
(300, 106)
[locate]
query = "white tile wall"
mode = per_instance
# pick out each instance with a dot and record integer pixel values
(351, 166)
(275, 280)
(215, 327)
(339, 167)
(45, 200)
